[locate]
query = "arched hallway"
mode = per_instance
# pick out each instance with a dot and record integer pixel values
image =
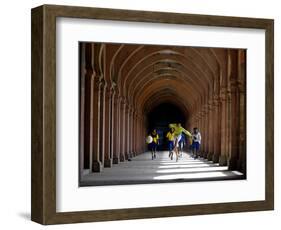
(128, 89)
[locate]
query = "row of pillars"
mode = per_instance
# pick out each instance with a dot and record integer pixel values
(222, 119)
(111, 129)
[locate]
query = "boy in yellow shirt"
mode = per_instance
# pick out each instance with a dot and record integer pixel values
(178, 131)
(154, 143)
(171, 139)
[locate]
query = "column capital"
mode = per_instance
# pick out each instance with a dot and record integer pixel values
(224, 93)
(205, 108)
(108, 92)
(127, 107)
(132, 110)
(113, 90)
(89, 72)
(103, 83)
(97, 83)
(234, 84)
(123, 102)
(210, 104)
(241, 86)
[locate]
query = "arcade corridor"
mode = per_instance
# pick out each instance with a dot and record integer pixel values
(128, 89)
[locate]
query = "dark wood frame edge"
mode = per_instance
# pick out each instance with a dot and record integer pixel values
(43, 156)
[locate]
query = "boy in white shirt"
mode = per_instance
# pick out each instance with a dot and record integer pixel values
(196, 141)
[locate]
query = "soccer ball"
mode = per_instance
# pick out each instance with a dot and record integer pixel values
(149, 139)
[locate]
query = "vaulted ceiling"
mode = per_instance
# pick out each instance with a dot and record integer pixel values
(148, 75)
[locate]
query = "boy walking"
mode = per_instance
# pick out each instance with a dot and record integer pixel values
(196, 141)
(154, 143)
(178, 132)
(171, 138)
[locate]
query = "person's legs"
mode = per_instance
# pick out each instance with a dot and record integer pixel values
(193, 149)
(196, 148)
(181, 149)
(152, 150)
(170, 148)
(176, 150)
(176, 147)
(195, 153)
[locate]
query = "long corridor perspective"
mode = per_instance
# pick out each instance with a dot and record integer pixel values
(126, 90)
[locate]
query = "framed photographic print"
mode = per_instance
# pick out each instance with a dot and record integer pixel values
(139, 114)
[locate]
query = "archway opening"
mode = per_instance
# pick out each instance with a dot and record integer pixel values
(160, 117)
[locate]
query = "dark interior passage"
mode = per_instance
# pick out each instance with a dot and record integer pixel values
(160, 117)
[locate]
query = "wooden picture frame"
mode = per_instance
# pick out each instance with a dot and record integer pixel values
(43, 208)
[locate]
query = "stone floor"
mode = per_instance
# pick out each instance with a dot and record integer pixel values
(142, 170)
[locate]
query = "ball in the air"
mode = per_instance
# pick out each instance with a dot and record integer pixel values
(149, 139)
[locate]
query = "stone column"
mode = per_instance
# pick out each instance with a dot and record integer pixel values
(133, 137)
(107, 128)
(217, 133)
(229, 126)
(129, 134)
(134, 133)
(206, 143)
(102, 120)
(242, 104)
(211, 131)
(82, 130)
(116, 129)
(142, 134)
(96, 162)
(126, 132)
(235, 113)
(241, 164)
(200, 129)
(203, 132)
(224, 130)
(86, 115)
(122, 128)
(138, 134)
(112, 119)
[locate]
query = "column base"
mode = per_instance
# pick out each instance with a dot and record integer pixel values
(126, 156)
(216, 158)
(205, 155)
(115, 160)
(210, 156)
(122, 158)
(222, 160)
(241, 166)
(232, 164)
(108, 163)
(96, 166)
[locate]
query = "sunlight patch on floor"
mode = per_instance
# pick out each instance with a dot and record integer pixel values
(187, 166)
(190, 170)
(192, 176)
